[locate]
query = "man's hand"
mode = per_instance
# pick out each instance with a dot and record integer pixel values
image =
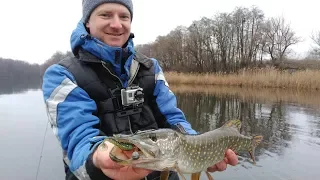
(102, 160)
(230, 158)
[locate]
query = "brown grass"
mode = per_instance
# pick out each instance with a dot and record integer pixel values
(261, 78)
(270, 95)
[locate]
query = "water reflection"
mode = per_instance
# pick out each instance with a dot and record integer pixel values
(14, 87)
(290, 128)
(289, 122)
(26, 143)
(208, 112)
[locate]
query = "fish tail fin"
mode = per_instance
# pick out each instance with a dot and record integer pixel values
(256, 140)
(236, 123)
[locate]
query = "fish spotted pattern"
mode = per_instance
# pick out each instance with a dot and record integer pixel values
(169, 150)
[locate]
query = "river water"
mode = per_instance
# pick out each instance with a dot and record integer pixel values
(289, 122)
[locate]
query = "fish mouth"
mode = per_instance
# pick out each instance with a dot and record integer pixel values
(144, 151)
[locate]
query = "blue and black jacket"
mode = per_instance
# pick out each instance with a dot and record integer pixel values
(74, 112)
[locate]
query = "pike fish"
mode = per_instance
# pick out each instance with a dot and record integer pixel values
(169, 150)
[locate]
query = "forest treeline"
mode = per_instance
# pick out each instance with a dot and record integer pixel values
(18, 71)
(16, 75)
(227, 42)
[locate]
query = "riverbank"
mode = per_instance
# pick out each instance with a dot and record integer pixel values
(266, 95)
(261, 78)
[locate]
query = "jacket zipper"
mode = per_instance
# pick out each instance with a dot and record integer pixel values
(134, 76)
(129, 83)
(103, 64)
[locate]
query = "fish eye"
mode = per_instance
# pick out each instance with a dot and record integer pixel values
(153, 137)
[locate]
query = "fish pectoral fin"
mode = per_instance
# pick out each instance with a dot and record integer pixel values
(195, 176)
(251, 153)
(209, 176)
(164, 175)
(180, 173)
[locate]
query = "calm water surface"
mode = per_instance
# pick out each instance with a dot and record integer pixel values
(290, 126)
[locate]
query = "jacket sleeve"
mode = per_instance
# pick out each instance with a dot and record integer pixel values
(69, 110)
(167, 102)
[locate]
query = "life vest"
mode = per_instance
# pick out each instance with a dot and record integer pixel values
(98, 79)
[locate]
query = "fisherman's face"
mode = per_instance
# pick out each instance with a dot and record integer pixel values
(111, 24)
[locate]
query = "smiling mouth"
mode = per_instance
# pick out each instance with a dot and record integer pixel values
(114, 34)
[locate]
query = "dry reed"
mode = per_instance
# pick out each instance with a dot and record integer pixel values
(270, 95)
(261, 78)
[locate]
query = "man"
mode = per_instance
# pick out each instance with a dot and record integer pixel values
(89, 96)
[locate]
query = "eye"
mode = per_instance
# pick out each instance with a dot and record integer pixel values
(105, 15)
(124, 17)
(153, 137)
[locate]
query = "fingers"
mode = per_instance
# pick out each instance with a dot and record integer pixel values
(114, 170)
(220, 166)
(231, 158)
(126, 173)
(103, 158)
(141, 171)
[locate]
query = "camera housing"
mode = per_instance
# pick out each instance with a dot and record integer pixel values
(132, 96)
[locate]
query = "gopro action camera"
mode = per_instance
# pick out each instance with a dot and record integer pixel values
(132, 96)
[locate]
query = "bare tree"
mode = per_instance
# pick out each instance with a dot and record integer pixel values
(177, 53)
(316, 38)
(55, 58)
(256, 38)
(227, 42)
(314, 52)
(223, 31)
(280, 37)
(195, 43)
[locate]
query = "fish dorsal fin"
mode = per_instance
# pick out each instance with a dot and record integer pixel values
(236, 123)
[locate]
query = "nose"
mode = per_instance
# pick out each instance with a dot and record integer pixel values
(116, 23)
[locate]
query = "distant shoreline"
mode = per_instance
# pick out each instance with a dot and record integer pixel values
(259, 78)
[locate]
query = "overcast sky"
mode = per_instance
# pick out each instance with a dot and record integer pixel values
(32, 30)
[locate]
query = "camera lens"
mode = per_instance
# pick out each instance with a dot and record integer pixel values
(139, 95)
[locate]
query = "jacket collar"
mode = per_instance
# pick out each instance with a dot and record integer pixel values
(81, 39)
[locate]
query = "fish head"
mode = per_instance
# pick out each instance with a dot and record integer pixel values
(154, 147)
